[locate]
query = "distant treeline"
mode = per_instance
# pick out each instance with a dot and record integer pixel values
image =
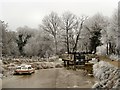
(60, 34)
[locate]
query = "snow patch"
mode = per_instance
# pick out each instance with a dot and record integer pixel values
(114, 57)
(107, 75)
(101, 50)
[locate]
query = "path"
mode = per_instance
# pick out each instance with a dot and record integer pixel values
(50, 78)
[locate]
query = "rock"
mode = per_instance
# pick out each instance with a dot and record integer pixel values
(58, 65)
(44, 65)
(35, 65)
(5, 62)
(97, 85)
(51, 65)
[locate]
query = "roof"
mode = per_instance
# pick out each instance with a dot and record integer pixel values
(24, 65)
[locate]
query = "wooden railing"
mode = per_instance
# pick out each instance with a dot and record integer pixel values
(78, 60)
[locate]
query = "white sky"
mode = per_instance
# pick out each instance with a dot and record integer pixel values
(31, 12)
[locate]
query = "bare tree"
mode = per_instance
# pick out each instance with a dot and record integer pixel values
(69, 22)
(72, 25)
(51, 24)
(78, 30)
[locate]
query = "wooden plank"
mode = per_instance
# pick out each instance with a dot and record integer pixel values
(74, 62)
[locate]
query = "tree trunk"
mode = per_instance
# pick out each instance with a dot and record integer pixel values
(75, 47)
(67, 40)
(110, 48)
(107, 48)
(77, 39)
(55, 45)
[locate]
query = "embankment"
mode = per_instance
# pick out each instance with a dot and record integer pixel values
(108, 75)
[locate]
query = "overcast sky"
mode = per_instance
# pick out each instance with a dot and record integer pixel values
(31, 12)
